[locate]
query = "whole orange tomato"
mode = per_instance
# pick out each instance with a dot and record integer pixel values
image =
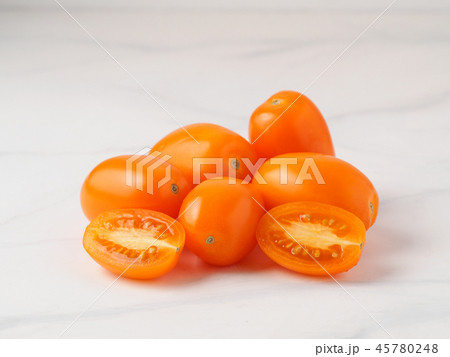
(215, 152)
(220, 218)
(320, 178)
(151, 184)
(289, 122)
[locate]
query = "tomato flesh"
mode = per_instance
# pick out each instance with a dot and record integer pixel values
(312, 238)
(136, 243)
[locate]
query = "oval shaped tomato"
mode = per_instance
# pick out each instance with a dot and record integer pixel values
(147, 183)
(287, 123)
(218, 152)
(312, 238)
(220, 218)
(135, 243)
(321, 178)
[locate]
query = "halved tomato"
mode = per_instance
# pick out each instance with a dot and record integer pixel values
(312, 238)
(136, 243)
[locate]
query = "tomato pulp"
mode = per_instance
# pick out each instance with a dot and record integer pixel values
(135, 243)
(312, 238)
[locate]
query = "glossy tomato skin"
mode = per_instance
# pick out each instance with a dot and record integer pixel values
(312, 238)
(106, 187)
(285, 124)
(213, 142)
(135, 243)
(343, 185)
(220, 220)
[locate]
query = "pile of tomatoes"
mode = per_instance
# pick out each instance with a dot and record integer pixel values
(209, 188)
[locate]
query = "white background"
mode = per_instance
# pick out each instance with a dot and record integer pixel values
(225, 348)
(66, 105)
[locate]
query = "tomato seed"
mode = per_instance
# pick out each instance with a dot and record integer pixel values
(305, 217)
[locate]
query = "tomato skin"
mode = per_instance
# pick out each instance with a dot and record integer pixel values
(296, 251)
(278, 127)
(106, 188)
(101, 242)
(225, 211)
(345, 186)
(214, 141)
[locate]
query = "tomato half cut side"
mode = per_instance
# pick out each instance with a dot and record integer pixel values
(137, 243)
(312, 238)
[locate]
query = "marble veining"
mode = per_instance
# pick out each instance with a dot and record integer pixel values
(65, 106)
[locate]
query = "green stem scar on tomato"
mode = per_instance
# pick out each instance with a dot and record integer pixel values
(289, 122)
(220, 217)
(215, 152)
(106, 186)
(331, 181)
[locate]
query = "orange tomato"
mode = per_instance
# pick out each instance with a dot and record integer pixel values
(106, 187)
(220, 219)
(312, 238)
(215, 144)
(135, 243)
(288, 123)
(321, 178)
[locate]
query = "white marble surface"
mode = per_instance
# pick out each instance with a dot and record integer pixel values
(65, 106)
